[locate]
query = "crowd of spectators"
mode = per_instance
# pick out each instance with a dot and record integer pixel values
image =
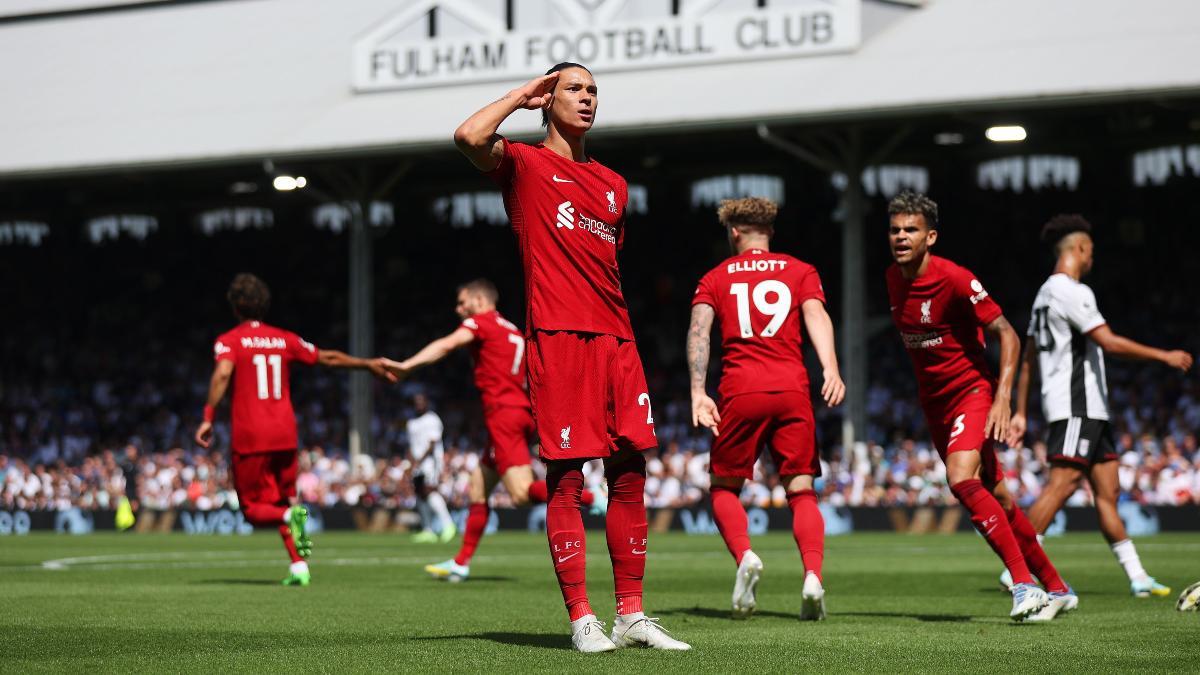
(68, 470)
(103, 372)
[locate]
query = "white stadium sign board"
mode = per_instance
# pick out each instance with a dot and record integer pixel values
(396, 55)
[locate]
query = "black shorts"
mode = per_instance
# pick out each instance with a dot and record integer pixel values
(1081, 442)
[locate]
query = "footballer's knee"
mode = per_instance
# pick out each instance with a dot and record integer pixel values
(727, 482)
(797, 482)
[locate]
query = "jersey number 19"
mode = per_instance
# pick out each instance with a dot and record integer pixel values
(777, 309)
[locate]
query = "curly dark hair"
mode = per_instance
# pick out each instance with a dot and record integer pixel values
(1063, 225)
(249, 297)
(915, 204)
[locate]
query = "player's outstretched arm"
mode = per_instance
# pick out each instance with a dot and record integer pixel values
(431, 353)
(217, 386)
(820, 331)
(1123, 347)
(704, 409)
(332, 358)
(1018, 423)
(1010, 352)
(477, 138)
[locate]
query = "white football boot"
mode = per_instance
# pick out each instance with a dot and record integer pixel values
(589, 636)
(1060, 603)
(1028, 600)
(812, 599)
(745, 585)
(644, 632)
(449, 571)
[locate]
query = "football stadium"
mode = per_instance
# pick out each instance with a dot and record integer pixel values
(599, 335)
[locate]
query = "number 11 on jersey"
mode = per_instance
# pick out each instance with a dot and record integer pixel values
(261, 362)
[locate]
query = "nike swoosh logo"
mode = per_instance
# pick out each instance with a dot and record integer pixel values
(560, 180)
(637, 552)
(567, 557)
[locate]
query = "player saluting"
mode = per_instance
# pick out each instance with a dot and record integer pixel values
(1067, 340)
(941, 310)
(586, 382)
(758, 298)
(498, 351)
(256, 356)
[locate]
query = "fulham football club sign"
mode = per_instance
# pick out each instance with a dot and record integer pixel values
(444, 42)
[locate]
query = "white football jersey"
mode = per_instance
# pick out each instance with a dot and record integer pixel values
(423, 432)
(1072, 365)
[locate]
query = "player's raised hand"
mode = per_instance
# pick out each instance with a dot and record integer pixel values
(379, 368)
(704, 412)
(833, 390)
(538, 92)
(1179, 360)
(1016, 431)
(998, 420)
(204, 434)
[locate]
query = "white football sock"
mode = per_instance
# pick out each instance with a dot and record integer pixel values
(298, 567)
(1041, 539)
(1128, 557)
(438, 504)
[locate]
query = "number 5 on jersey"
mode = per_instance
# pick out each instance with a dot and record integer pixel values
(777, 310)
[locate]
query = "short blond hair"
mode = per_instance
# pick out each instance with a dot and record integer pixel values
(755, 213)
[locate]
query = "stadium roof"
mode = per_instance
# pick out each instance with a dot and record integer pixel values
(212, 82)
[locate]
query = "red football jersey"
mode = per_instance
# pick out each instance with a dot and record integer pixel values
(941, 315)
(569, 218)
(757, 297)
(263, 419)
(499, 355)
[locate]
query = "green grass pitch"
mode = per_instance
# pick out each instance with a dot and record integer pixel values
(174, 603)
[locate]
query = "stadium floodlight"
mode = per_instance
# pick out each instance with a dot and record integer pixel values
(288, 183)
(1005, 134)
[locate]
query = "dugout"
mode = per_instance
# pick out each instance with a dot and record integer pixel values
(147, 126)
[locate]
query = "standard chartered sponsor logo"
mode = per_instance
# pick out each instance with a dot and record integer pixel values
(921, 340)
(568, 218)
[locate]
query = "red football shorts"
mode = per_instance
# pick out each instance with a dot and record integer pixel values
(589, 395)
(959, 425)
(510, 430)
(265, 477)
(783, 421)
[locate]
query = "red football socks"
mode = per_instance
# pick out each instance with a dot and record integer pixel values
(564, 530)
(539, 494)
(477, 519)
(808, 528)
(1035, 556)
(989, 519)
(263, 515)
(286, 533)
(731, 521)
(626, 531)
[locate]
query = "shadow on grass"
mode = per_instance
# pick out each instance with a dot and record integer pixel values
(236, 582)
(486, 578)
(929, 618)
(713, 613)
(544, 640)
